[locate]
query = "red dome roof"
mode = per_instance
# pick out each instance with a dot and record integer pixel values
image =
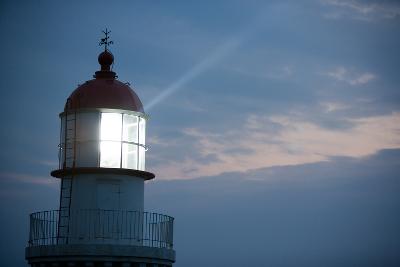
(104, 91)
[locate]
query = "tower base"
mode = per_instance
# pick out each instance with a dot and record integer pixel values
(79, 255)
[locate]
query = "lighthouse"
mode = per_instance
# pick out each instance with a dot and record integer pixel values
(101, 219)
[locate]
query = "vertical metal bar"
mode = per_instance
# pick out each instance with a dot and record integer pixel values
(74, 159)
(113, 223)
(137, 146)
(151, 229)
(44, 221)
(161, 223)
(155, 226)
(121, 224)
(108, 225)
(49, 223)
(99, 140)
(47, 228)
(140, 221)
(55, 227)
(155, 229)
(88, 224)
(65, 134)
(137, 226)
(130, 223)
(146, 227)
(60, 151)
(30, 230)
(122, 139)
(143, 225)
(139, 215)
(159, 230)
(166, 222)
(119, 213)
(51, 227)
(119, 220)
(43, 236)
(34, 229)
(172, 232)
(123, 234)
(103, 224)
(125, 225)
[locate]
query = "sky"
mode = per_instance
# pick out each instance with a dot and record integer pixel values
(274, 128)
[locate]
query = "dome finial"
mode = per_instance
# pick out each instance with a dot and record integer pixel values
(104, 41)
(106, 59)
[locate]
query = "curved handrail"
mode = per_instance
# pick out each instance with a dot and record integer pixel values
(96, 226)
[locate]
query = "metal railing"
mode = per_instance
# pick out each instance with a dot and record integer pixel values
(101, 227)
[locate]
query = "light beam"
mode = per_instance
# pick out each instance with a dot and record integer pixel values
(218, 54)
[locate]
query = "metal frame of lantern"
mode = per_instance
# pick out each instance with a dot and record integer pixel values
(71, 144)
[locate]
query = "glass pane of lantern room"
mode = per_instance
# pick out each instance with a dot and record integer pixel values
(111, 126)
(62, 143)
(130, 128)
(110, 154)
(142, 131)
(129, 156)
(141, 158)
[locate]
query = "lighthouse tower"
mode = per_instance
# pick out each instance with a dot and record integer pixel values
(101, 219)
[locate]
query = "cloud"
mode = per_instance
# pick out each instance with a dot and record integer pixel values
(333, 106)
(17, 185)
(363, 10)
(344, 75)
(338, 213)
(271, 72)
(362, 79)
(47, 163)
(279, 140)
(26, 178)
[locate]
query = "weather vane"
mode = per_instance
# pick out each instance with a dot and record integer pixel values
(104, 41)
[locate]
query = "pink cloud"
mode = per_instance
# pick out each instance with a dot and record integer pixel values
(297, 142)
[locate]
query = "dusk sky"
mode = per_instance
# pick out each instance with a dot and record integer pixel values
(274, 128)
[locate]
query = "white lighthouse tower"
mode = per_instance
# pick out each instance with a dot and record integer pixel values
(101, 219)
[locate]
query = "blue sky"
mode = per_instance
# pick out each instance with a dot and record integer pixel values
(232, 89)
